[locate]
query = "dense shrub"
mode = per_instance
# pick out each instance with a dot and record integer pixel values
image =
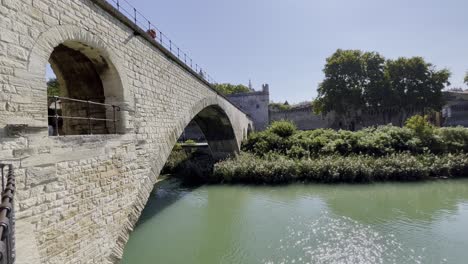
(420, 125)
(277, 169)
(417, 138)
(282, 128)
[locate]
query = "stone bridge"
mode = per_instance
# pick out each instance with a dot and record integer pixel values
(79, 195)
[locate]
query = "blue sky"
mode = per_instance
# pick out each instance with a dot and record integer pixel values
(285, 42)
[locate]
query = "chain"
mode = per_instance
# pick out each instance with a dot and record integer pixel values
(7, 217)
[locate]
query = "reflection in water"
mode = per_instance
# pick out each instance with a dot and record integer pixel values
(382, 223)
(386, 202)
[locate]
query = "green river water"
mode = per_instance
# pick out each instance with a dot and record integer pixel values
(380, 223)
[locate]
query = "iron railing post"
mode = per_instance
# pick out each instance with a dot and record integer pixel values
(115, 125)
(88, 116)
(135, 15)
(56, 116)
(3, 179)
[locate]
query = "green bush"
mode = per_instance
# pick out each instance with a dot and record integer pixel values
(421, 126)
(190, 142)
(417, 138)
(282, 128)
(278, 169)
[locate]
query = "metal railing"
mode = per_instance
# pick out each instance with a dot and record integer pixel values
(143, 23)
(7, 216)
(56, 100)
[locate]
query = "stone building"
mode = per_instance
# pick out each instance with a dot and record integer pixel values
(255, 104)
(455, 112)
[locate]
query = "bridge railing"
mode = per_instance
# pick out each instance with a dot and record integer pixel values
(56, 103)
(141, 21)
(7, 215)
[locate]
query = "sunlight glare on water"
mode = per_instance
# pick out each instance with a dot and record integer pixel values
(340, 240)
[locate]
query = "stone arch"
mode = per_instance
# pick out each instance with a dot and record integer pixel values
(116, 88)
(204, 112)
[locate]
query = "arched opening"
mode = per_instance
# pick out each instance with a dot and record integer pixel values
(221, 141)
(84, 98)
(209, 137)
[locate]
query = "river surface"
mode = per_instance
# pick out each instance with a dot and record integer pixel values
(380, 223)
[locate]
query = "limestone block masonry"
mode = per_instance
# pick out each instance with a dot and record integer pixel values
(78, 197)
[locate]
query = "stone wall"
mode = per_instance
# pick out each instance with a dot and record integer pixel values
(78, 197)
(303, 117)
(455, 112)
(255, 104)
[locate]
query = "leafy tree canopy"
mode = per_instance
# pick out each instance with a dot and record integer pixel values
(227, 88)
(280, 106)
(53, 87)
(466, 78)
(351, 78)
(357, 80)
(415, 83)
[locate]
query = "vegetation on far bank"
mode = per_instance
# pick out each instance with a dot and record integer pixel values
(279, 169)
(283, 154)
(227, 88)
(356, 82)
(417, 137)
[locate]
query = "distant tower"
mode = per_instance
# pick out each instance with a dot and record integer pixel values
(266, 88)
(250, 85)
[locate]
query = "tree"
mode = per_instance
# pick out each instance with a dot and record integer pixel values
(357, 81)
(466, 78)
(416, 85)
(227, 88)
(279, 106)
(53, 87)
(353, 80)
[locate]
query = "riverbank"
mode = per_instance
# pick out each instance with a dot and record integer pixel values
(282, 154)
(276, 169)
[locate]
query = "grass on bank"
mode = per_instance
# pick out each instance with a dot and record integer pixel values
(277, 169)
(282, 154)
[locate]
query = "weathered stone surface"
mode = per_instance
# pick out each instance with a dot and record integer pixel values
(78, 197)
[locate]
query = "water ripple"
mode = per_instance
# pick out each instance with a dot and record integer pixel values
(341, 240)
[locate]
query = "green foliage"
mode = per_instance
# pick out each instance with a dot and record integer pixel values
(356, 80)
(177, 157)
(190, 142)
(227, 88)
(264, 142)
(420, 126)
(466, 78)
(274, 169)
(279, 106)
(191, 166)
(282, 128)
(418, 137)
(349, 76)
(415, 83)
(53, 87)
